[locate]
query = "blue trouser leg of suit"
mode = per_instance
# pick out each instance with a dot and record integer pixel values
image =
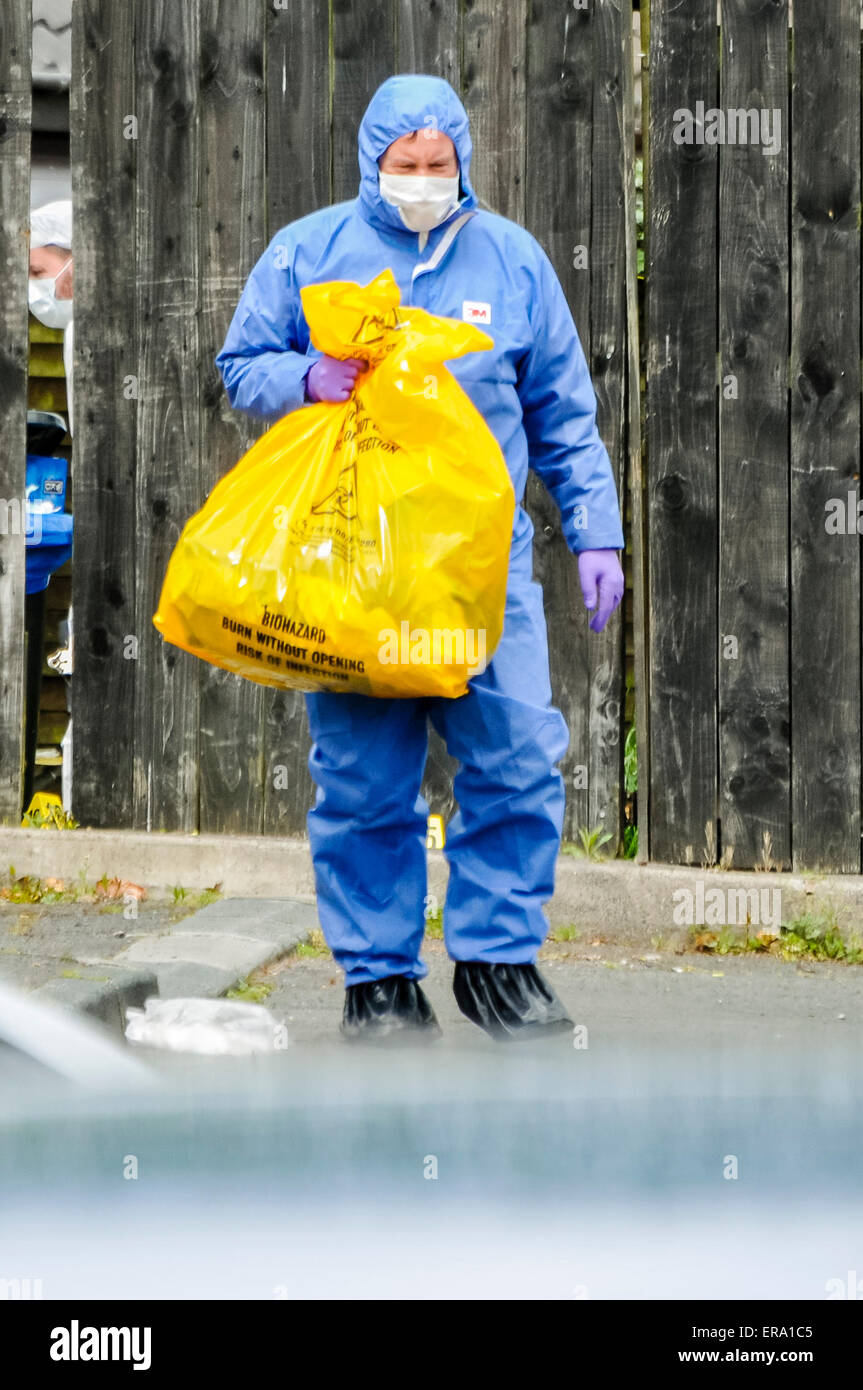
(502, 844)
(367, 829)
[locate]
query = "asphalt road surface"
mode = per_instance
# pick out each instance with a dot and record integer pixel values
(626, 1001)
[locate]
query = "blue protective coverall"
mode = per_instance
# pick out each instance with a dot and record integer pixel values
(368, 826)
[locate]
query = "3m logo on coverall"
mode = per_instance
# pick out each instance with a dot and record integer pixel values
(474, 311)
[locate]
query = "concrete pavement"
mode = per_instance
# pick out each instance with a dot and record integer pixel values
(86, 958)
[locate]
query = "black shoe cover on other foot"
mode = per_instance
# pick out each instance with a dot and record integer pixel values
(390, 1010)
(508, 1001)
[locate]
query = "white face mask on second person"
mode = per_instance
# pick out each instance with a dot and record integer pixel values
(423, 201)
(44, 304)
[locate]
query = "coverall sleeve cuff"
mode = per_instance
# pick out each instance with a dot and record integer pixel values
(593, 540)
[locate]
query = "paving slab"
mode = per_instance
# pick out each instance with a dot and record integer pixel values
(76, 954)
(106, 998)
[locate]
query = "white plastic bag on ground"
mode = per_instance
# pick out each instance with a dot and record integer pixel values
(211, 1027)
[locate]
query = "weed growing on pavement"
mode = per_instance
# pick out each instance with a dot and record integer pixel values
(630, 762)
(187, 902)
(434, 925)
(250, 993)
(570, 933)
(314, 947)
(111, 893)
(24, 889)
(817, 933)
(766, 863)
(814, 934)
(589, 844)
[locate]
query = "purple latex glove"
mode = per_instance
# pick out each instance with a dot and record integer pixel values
(330, 380)
(602, 577)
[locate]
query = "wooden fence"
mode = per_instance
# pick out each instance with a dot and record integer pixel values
(199, 129)
(752, 427)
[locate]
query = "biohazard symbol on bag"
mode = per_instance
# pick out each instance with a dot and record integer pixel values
(342, 499)
(360, 547)
(375, 327)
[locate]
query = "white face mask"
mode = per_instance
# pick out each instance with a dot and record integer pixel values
(44, 304)
(423, 201)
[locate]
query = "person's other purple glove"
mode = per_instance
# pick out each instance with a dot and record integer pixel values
(601, 576)
(330, 380)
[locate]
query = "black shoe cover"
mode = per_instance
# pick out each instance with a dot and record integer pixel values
(509, 1001)
(390, 1010)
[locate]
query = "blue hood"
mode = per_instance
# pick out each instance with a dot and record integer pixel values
(411, 101)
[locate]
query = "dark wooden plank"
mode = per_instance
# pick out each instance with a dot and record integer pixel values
(612, 144)
(825, 435)
(427, 38)
(363, 46)
(104, 154)
(289, 792)
(494, 61)
(636, 478)
(168, 483)
(681, 419)
(754, 727)
(14, 221)
(560, 44)
(233, 230)
(298, 110)
(299, 180)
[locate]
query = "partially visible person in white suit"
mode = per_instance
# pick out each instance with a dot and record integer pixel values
(51, 277)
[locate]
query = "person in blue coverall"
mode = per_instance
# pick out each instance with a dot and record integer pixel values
(417, 215)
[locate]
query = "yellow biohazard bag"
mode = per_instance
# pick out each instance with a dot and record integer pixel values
(359, 547)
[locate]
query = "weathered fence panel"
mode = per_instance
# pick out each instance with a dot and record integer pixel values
(232, 163)
(364, 55)
(213, 87)
(576, 78)
(755, 620)
(299, 172)
(299, 179)
(168, 483)
(825, 435)
(558, 197)
(428, 37)
(681, 426)
(754, 715)
(15, 106)
(611, 143)
(104, 571)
